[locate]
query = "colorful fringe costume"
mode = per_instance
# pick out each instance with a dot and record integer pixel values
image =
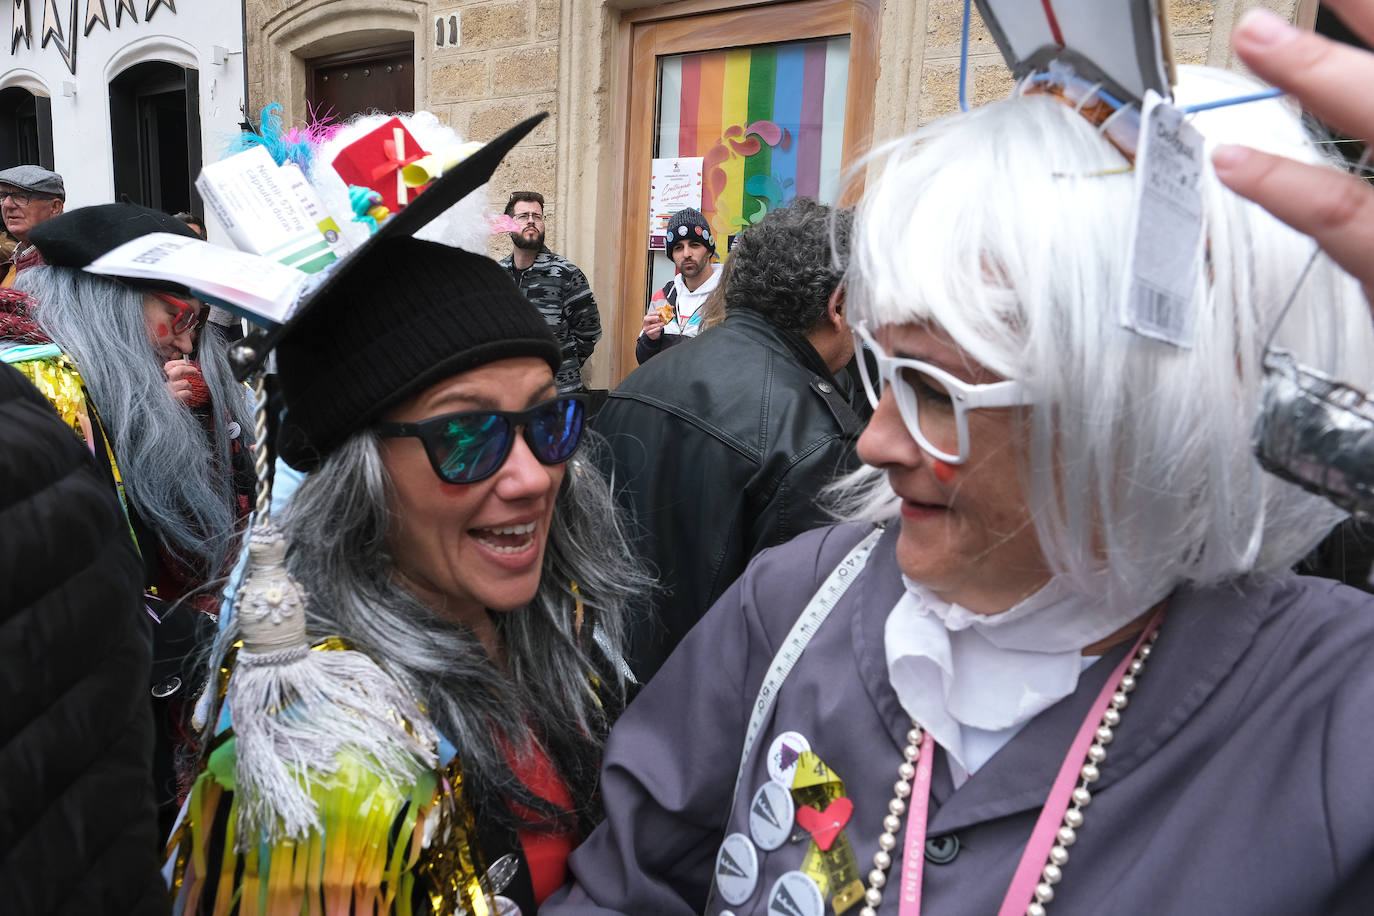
(56, 377)
(380, 848)
(322, 791)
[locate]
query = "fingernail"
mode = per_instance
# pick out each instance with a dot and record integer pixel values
(1263, 27)
(1225, 158)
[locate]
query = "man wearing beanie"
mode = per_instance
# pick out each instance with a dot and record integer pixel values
(29, 195)
(556, 287)
(675, 312)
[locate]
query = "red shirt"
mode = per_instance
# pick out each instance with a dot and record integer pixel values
(546, 853)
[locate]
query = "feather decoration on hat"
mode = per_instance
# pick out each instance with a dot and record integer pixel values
(298, 143)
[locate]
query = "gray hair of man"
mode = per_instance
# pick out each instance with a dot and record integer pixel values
(1006, 228)
(177, 478)
(787, 265)
(558, 648)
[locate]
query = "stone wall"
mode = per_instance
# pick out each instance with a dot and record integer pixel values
(503, 70)
(513, 58)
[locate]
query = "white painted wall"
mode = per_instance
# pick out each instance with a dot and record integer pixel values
(187, 37)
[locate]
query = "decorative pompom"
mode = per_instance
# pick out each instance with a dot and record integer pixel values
(298, 713)
(364, 202)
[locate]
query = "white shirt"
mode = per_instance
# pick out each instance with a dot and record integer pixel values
(687, 322)
(974, 680)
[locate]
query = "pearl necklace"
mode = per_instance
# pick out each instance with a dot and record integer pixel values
(1067, 834)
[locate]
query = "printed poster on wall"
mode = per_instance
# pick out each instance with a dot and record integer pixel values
(674, 184)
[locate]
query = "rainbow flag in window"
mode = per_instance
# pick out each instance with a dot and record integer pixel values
(768, 120)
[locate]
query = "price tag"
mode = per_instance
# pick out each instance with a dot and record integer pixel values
(1165, 242)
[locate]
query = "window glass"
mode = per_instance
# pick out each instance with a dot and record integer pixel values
(768, 120)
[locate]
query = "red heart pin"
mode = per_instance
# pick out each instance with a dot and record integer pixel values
(825, 826)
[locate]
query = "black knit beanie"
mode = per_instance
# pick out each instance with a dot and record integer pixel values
(412, 313)
(688, 225)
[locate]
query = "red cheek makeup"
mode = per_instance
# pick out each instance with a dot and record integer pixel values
(943, 471)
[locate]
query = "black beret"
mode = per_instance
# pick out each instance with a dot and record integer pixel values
(80, 236)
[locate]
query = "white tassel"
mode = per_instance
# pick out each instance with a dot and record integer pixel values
(295, 710)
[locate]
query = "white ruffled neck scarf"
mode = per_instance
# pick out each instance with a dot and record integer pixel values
(953, 669)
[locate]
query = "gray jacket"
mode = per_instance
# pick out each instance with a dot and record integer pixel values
(561, 293)
(1239, 781)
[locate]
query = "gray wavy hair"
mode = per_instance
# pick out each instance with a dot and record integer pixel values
(786, 266)
(562, 683)
(178, 479)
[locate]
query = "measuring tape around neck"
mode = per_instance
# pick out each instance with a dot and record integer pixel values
(825, 600)
(813, 615)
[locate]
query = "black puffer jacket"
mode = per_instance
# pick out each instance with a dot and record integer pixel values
(77, 826)
(719, 449)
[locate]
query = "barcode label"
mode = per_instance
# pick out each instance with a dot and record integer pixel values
(1165, 242)
(1157, 312)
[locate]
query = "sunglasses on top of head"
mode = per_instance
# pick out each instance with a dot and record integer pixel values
(471, 445)
(189, 317)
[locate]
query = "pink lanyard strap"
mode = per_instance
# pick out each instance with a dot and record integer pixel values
(914, 856)
(1022, 888)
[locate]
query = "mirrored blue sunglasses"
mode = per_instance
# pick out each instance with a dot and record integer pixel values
(471, 445)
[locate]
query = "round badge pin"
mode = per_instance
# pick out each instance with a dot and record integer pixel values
(737, 869)
(796, 894)
(770, 816)
(782, 757)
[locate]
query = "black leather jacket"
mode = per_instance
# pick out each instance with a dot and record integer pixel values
(719, 449)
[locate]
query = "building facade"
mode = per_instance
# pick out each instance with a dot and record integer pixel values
(776, 96)
(124, 98)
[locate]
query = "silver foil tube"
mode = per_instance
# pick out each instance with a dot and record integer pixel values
(1317, 433)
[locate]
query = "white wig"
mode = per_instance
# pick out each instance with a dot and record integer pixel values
(1139, 471)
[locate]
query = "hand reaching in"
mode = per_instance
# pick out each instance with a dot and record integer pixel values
(1333, 81)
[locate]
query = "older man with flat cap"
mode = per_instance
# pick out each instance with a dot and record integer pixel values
(29, 195)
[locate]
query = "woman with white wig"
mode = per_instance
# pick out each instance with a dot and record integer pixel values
(1071, 669)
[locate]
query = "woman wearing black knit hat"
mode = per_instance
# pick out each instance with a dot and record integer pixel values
(451, 540)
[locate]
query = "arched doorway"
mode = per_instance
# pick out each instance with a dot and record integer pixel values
(25, 128)
(155, 135)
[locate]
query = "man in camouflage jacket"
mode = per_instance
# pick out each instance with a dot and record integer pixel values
(556, 287)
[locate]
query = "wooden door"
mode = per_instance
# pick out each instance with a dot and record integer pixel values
(777, 99)
(368, 79)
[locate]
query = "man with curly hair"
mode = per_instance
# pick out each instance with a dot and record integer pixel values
(721, 448)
